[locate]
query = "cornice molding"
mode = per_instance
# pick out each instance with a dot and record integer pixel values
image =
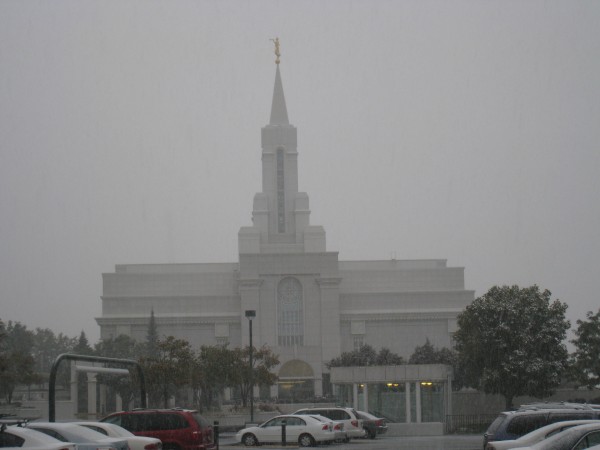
(173, 320)
(249, 283)
(329, 282)
(406, 316)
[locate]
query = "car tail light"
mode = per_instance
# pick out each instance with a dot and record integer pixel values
(325, 427)
(355, 423)
(337, 426)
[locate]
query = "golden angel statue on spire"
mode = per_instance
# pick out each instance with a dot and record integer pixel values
(277, 53)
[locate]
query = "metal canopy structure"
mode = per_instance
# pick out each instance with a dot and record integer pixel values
(93, 359)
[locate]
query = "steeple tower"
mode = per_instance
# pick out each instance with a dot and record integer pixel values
(281, 214)
(278, 109)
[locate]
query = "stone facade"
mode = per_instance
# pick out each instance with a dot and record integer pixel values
(309, 306)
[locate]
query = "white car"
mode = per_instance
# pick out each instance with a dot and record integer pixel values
(18, 437)
(338, 427)
(536, 435)
(85, 438)
(115, 431)
(305, 430)
(353, 425)
(575, 438)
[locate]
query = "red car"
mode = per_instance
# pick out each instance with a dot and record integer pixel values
(177, 428)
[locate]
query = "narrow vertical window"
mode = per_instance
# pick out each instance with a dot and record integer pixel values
(280, 192)
(290, 313)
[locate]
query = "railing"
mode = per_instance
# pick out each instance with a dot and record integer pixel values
(468, 423)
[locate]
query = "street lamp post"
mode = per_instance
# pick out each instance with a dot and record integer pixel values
(250, 314)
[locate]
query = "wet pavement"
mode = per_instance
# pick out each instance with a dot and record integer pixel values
(450, 442)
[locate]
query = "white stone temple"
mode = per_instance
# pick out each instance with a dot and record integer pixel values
(310, 307)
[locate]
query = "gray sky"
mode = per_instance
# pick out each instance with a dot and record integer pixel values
(461, 130)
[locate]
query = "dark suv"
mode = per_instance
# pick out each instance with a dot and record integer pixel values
(178, 429)
(514, 424)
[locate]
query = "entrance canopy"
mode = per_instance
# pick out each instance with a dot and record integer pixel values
(384, 374)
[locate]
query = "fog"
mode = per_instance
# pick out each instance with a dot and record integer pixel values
(458, 130)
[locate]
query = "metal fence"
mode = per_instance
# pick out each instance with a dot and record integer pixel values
(468, 423)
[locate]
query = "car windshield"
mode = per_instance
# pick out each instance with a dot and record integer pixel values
(561, 440)
(495, 424)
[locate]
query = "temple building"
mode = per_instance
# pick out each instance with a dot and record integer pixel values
(308, 306)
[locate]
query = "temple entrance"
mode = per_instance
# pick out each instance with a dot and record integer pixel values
(296, 382)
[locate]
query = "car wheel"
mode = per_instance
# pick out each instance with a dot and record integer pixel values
(306, 440)
(249, 440)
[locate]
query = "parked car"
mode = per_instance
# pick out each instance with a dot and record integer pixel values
(575, 438)
(338, 428)
(536, 435)
(112, 430)
(514, 424)
(373, 425)
(352, 423)
(18, 437)
(85, 438)
(307, 431)
(177, 428)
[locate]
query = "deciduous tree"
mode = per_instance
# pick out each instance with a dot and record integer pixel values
(263, 361)
(366, 355)
(587, 350)
(168, 369)
(18, 365)
(510, 342)
(429, 354)
(122, 347)
(214, 367)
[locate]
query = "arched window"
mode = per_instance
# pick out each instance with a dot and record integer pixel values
(290, 313)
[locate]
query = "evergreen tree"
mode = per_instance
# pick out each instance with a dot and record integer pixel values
(152, 338)
(83, 346)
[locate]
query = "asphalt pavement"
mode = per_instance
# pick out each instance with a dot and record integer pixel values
(450, 442)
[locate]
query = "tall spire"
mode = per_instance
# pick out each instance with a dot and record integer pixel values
(278, 109)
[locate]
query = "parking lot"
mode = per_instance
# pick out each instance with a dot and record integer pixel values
(451, 442)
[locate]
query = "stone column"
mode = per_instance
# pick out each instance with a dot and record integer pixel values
(418, 401)
(329, 291)
(355, 395)
(102, 400)
(407, 401)
(91, 385)
(448, 388)
(74, 397)
(318, 387)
